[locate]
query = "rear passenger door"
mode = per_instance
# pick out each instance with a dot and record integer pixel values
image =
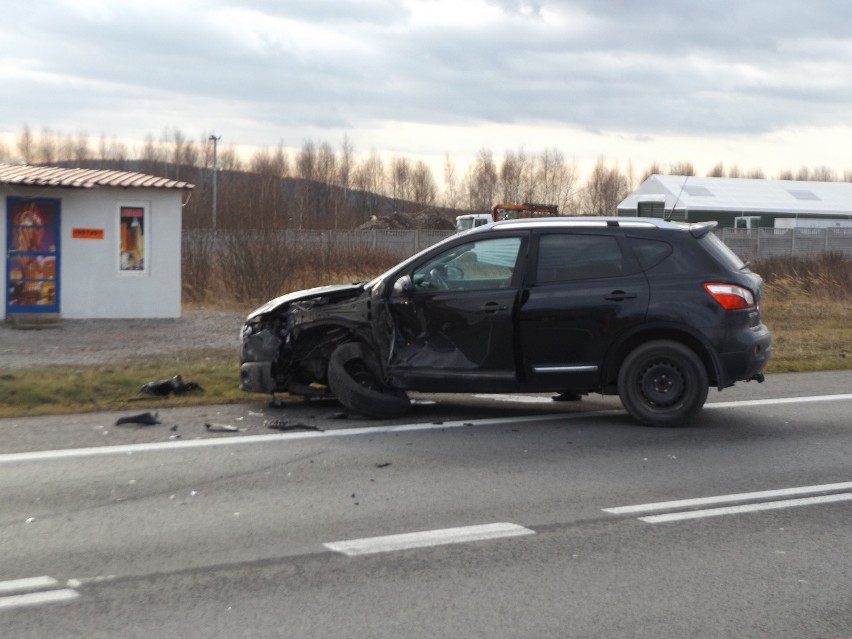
(584, 290)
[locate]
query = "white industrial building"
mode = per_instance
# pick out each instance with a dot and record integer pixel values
(759, 202)
(83, 243)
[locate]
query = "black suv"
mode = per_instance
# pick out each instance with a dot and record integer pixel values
(651, 310)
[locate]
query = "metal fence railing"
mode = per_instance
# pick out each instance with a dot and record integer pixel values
(751, 244)
(761, 243)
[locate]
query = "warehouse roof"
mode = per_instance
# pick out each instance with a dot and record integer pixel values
(693, 193)
(26, 175)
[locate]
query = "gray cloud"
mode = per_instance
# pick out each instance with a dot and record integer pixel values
(640, 68)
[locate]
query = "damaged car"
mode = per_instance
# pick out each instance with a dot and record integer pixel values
(654, 311)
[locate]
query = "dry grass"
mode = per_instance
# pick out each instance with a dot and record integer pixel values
(251, 269)
(808, 307)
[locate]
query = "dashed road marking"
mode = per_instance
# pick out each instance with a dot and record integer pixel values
(746, 508)
(45, 592)
(426, 538)
(770, 501)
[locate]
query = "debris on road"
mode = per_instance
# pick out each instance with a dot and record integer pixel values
(165, 387)
(144, 419)
(282, 424)
(223, 428)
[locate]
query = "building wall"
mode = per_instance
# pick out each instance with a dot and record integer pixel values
(92, 281)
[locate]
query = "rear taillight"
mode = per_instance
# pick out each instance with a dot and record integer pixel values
(730, 296)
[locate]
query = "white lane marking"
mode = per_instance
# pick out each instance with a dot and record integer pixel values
(722, 499)
(41, 455)
(28, 583)
(520, 399)
(427, 538)
(779, 400)
(38, 598)
(346, 432)
(746, 508)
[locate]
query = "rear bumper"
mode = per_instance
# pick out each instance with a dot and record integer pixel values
(754, 349)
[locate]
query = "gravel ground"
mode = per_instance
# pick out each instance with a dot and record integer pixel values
(81, 342)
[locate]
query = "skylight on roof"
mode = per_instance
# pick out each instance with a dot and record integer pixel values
(803, 194)
(698, 190)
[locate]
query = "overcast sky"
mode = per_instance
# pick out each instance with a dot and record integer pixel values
(754, 84)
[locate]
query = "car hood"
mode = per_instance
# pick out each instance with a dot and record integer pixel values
(337, 291)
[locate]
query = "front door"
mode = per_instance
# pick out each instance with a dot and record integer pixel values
(453, 328)
(32, 255)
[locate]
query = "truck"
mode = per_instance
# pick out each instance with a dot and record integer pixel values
(512, 211)
(509, 211)
(472, 220)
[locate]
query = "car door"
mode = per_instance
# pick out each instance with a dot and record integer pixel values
(452, 318)
(585, 290)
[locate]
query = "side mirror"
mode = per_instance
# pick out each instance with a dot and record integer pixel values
(403, 286)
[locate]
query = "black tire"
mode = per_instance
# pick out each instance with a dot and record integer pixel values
(662, 383)
(355, 384)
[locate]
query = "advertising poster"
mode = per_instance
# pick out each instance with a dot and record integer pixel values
(33, 232)
(132, 238)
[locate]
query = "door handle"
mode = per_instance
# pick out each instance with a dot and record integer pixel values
(492, 307)
(620, 296)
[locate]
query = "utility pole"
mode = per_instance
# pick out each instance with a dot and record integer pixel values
(215, 141)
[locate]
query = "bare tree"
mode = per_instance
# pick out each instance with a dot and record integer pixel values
(423, 188)
(717, 171)
(515, 182)
(451, 185)
(46, 147)
(786, 174)
(482, 187)
(368, 177)
(556, 181)
(80, 149)
(306, 169)
(604, 189)
(25, 145)
(682, 168)
(400, 182)
(823, 174)
(756, 174)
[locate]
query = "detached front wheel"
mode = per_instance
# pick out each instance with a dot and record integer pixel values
(662, 383)
(353, 378)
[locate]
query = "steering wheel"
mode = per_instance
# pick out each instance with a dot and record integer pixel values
(437, 279)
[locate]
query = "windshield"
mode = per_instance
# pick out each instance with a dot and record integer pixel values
(375, 281)
(464, 223)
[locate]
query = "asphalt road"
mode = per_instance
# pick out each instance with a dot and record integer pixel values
(472, 517)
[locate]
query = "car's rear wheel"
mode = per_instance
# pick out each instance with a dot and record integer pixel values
(356, 385)
(662, 383)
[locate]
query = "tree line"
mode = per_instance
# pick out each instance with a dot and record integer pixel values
(322, 187)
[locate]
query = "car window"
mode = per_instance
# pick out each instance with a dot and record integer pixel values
(649, 252)
(723, 254)
(474, 265)
(565, 256)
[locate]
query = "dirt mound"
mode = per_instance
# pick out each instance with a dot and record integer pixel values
(429, 219)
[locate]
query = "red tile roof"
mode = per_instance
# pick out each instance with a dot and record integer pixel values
(27, 175)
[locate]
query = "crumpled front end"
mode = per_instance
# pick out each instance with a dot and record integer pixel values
(287, 342)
